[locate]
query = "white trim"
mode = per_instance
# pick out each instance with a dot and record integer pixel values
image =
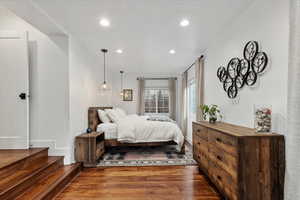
(10, 34)
(13, 142)
(53, 149)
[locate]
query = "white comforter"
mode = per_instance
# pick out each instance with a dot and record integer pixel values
(135, 129)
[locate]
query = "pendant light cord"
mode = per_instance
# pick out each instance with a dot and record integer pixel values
(121, 81)
(104, 67)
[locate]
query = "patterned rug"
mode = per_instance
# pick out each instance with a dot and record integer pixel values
(146, 156)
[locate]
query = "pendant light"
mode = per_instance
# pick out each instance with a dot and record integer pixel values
(104, 86)
(121, 73)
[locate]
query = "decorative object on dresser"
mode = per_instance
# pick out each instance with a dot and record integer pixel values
(243, 164)
(243, 71)
(89, 147)
(212, 112)
(262, 120)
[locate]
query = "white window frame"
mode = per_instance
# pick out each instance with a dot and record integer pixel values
(156, 99)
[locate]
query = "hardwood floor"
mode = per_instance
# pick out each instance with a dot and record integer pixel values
(8, 157)
(140, 183)
(32, 174)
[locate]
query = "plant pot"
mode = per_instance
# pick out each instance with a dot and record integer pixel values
(212, 120)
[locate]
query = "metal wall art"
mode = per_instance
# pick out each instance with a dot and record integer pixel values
(245, 71)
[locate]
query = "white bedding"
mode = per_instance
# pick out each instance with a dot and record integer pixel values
(110, 130)
(135, 129)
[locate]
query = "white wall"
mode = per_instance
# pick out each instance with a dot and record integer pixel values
(85, 80)
(268, 23)
(49, 84)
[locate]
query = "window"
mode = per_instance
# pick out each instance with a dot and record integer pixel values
(191, 108)
(191, 97)
(157, 100)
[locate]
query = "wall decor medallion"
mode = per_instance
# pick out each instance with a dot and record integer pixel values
(245, 71)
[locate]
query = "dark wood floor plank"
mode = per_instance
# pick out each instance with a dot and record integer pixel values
(50, 185)
(140, 183)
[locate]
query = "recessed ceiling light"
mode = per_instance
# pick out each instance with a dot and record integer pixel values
(119, 51)
(172, 51)
(104, 22)
(184, 22)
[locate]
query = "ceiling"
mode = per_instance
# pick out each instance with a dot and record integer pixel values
(145, 29)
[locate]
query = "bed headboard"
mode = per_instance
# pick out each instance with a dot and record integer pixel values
(93, 118)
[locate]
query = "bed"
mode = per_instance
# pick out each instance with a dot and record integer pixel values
(112, 130)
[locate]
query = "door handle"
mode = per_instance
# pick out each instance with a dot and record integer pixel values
(22, 96)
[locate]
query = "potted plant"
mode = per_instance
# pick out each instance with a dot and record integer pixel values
(211, 112)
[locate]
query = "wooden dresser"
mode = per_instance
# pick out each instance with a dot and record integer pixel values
(89, 147)
(242, 164)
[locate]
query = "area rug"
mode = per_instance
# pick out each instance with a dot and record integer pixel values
(146, 156)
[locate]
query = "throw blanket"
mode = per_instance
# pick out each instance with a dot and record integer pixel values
(136, 129)
(160, 118)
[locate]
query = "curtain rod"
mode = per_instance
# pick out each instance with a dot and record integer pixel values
(158, 78)
(192, 65)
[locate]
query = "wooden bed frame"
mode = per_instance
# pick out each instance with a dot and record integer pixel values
(94, 121)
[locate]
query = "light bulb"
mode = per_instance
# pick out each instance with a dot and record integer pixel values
(104, 86)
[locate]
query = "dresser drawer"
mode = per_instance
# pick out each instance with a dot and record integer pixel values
(201, 144)
(223, 141)
(223, 181)
(200, 131)
(201, 158)
(224, 160)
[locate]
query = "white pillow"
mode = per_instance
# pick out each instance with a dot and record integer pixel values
(121, 112)
(113, 115)
(103, 116)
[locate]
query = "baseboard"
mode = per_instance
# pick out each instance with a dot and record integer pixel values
(13, 143)
(53, 149)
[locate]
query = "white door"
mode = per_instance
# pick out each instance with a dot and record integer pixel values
(14, 90)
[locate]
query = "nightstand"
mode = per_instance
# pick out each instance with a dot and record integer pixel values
(89, 147)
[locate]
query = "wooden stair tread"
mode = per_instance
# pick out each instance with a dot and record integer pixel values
(10, 157)
(28, 172)
(47, 184)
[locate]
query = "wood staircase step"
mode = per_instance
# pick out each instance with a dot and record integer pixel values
(49, 186)
(13, 160)
(33, 171)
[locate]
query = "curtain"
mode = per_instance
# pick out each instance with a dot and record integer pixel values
(172, 95)
(184, 104)
(141, 99)
(292, 181)
(199, 80)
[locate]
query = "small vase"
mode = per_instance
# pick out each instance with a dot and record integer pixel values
(212, 120)
(263, 118)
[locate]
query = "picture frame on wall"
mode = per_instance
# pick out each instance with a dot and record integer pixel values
(127, 95)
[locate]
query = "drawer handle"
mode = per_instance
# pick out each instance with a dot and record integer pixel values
(198, 130)
(219, 177)
(198, 143)
(219, 158)
(218, 140)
